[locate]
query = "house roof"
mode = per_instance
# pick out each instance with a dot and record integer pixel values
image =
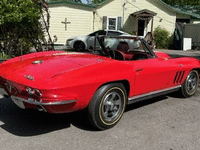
(71, 2)
(144, 12)
(182, 10)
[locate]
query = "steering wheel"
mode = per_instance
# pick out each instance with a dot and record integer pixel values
(116, 55)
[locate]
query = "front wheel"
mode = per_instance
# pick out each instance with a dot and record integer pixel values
(79, 46)
(190, 85)
(107, 106)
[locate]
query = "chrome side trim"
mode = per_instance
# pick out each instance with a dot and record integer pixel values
(152, 94)
(38, 62)
(31, 101)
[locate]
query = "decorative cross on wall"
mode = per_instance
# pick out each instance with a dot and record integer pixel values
(65, 22)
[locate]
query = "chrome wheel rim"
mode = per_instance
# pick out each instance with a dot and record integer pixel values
(112, 106)
(80, 46)
(191, 83)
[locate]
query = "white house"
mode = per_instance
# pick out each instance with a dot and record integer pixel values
(138, 17)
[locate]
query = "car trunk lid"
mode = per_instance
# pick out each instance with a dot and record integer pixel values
(42, 68)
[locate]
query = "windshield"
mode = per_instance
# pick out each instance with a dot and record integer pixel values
(123, 48)
(122, 44)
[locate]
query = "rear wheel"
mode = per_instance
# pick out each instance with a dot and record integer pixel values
(190, 85)
(107, 106)
(79, 46)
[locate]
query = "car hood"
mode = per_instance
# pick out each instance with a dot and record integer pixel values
(43, 67)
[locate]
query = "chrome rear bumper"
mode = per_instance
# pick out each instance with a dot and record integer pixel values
(32, 101)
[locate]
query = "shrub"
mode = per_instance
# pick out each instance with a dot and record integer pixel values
(3, 56)
(162, 37)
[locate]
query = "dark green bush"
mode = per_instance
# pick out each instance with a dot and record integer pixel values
(4, 56)
(162, 38)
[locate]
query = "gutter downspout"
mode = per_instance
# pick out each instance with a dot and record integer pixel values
(94, 13)
(123, 13)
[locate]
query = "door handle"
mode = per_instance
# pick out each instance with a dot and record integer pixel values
(138, 70)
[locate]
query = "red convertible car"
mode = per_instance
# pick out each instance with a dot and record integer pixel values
(125, 70)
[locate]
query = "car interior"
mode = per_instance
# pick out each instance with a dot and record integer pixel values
(127, 49)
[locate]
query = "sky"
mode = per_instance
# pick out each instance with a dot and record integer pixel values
(84, 1)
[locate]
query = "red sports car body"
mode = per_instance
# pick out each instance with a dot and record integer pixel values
(61, 82)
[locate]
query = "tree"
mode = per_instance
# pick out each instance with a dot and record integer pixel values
(185, 5)
(182, 2)
(20, 25)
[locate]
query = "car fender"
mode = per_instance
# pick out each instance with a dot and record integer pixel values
(82, 85)
(82, 39)
(186, 64)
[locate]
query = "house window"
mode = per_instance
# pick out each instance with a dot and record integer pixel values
(112, 23)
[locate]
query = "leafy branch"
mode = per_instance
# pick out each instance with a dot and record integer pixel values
(21, 26)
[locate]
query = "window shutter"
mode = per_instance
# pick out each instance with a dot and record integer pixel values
(119, 23)
(104, 22)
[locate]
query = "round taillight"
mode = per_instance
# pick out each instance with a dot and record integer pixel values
(35, 92)
(30, 91)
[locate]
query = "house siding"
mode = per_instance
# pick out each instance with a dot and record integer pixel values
(112, 9)
(115, 8)
(85, 20)
(81, 22)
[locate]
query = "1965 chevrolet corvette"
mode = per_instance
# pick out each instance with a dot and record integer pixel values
(121, 71)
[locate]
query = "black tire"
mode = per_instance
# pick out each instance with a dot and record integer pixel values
(79, 46)
(107, 106)
(190, 84)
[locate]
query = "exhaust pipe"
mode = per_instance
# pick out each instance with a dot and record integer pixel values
(41, 108)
